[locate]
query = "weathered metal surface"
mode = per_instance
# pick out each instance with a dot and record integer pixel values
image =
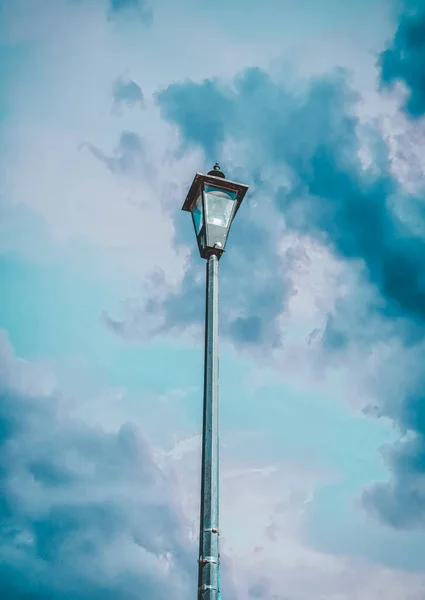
(209, 555)
(201, 179)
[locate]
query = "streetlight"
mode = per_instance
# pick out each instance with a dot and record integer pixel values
(213, 201)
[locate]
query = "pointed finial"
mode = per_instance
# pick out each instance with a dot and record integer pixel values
(217, 172)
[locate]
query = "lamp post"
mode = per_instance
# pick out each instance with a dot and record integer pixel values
(213, 201)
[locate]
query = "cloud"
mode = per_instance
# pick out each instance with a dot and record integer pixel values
(127, 92)
(90, 513)
(140, 8)
(201, 112)
(297, 150)
(400, 502)
(252, 290)
(313, 138)
(110, 212)
(83, 513)
(129, 157)
(111, 198)
(402, 61)
(255, 122)
(270, 558)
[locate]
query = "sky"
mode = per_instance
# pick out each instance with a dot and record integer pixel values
(108, 109)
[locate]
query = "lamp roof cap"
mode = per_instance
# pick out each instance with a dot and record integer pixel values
(217, 172)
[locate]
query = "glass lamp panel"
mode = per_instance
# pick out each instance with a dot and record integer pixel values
(197, 213)
(219, 205)
(201, 239)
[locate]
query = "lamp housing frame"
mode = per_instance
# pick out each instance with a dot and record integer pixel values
(208, 231)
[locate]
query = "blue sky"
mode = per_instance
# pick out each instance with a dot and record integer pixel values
(108, 109)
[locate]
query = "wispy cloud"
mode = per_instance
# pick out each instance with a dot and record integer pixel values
(129, 157)
(127, 93)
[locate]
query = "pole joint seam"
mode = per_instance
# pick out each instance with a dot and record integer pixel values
(205, 587)
(212, 560)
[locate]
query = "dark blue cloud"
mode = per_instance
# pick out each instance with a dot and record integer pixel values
(83, 513)
(251, 290)
(282, 131)
(314, 137)
(252, 284)
(340, 202)
(201, 112)
(404, 58)
(128, 157)
(400, 502)
(310, 137)
(127, 92)
(251, 293)
(140, 8)
(309, 140)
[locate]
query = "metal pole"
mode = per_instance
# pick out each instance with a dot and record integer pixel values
(209, 556)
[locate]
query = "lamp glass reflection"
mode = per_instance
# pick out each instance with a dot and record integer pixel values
(219, 205)
(197, 213)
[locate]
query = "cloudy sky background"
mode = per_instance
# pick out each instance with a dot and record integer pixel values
(108, 108)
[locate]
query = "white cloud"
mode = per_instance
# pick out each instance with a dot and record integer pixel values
(63, 96)
(136, 507)
(61, 99)
(25, 377)
(68, 100)
(264, 511)
(83, 510)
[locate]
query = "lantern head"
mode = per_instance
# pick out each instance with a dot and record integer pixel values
(213, 201)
